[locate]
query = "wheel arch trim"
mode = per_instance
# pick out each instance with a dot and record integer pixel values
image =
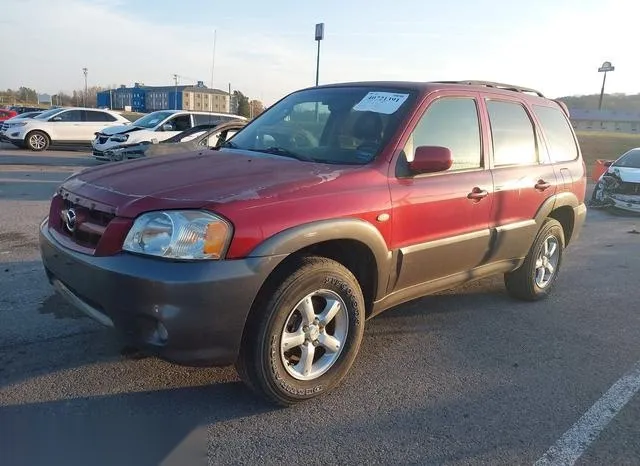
(294, 239)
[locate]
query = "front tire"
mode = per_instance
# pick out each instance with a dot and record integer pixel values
(536, 277)
(303, 341)
(37, 141)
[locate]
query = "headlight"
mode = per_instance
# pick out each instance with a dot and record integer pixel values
(16, 124)
(179, 234)
(120, 137)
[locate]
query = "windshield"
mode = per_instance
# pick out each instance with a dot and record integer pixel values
(151, 120)
(629, 160)
(49, 113)
(339, 125)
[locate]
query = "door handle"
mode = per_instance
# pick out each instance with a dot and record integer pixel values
(541, 185)
(477, 194)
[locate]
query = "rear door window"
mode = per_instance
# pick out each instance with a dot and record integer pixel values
(71, 115)
(514, 141)
(180, 122)
(558, 133)
(95, 116)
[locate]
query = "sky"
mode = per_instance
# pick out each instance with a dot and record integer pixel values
(266, 49)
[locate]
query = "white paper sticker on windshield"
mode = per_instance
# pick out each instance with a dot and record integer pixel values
(381, 102)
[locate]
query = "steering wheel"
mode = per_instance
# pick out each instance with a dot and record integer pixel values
(302, 138)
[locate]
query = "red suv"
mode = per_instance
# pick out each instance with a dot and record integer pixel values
(335, 204)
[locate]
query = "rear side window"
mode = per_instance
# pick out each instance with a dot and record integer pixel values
(206, 119)
(514, 142)
(450, 122)
(562, 145)
(99, 116)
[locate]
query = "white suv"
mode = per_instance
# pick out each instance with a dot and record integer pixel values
(155, 127)
(61, 126)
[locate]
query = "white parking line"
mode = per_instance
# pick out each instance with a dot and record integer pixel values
(576, 440)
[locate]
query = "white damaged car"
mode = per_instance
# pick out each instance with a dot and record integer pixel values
(619, 186)
(154, 127)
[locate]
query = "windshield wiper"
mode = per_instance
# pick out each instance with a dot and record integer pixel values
(285, 153)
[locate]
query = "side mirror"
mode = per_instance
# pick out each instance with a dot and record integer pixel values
(167, 127)
(431, 159)
(56, 118)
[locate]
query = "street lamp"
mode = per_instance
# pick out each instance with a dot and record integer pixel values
(319, 37)
(605, 68)
(85, 71)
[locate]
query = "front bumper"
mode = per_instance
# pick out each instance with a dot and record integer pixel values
(629, 203)
(105, 146)
(190, 313)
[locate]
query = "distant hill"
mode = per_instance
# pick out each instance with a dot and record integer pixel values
(620, 102)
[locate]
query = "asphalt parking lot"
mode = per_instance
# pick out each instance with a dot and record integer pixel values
(465, 377)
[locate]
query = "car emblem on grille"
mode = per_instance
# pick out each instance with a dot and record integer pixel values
(70, 218)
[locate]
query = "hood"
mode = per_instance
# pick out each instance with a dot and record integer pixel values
(626, 174)
(197, 179)
(120, 129)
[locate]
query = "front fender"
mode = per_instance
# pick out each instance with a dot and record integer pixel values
(294, 239)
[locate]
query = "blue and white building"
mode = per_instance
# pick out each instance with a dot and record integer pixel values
(141, 98)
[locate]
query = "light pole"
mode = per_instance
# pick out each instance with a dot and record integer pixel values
(85, 71)
(175, 81)
(319, 37)
(605, 68)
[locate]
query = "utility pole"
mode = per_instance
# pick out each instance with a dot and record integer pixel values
(85, 71)
(175, 80)
(605, 68)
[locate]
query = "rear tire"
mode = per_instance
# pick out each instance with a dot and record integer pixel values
(302, 341)
(37, 141)
(537, 276)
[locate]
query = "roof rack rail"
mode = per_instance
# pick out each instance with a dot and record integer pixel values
(507, 87)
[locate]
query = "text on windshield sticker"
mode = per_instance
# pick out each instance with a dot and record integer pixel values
(381, 102)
